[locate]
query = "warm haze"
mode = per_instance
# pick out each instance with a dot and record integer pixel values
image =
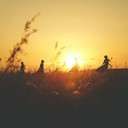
(89, 29)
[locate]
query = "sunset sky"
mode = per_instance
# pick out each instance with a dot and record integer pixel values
(89, 28)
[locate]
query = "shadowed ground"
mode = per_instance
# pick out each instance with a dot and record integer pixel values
(96, 100)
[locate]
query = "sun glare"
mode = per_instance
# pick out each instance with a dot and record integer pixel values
(71, 60)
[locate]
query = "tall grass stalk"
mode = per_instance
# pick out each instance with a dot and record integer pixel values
(56, 59)
(13, 60)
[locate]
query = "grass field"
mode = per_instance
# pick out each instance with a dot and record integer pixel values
(64, 100)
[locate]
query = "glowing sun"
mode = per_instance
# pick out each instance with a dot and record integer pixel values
(72, 59)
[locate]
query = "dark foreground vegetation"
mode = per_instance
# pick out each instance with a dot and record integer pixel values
(64, 100)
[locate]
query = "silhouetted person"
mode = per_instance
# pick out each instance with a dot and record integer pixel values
(41, 68)
(105, 64)
(75, 66)
(22, 67)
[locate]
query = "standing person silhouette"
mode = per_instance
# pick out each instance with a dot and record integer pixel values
(105, 65)
(22, 67)
(41, 68)
(75, 66)
(106, 62)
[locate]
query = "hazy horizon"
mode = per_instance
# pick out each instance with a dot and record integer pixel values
(90, 29)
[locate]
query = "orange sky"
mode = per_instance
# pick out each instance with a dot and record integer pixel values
(90, 28)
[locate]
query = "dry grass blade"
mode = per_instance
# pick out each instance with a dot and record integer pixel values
(59, 52)
(56, 45)
(17, 49)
